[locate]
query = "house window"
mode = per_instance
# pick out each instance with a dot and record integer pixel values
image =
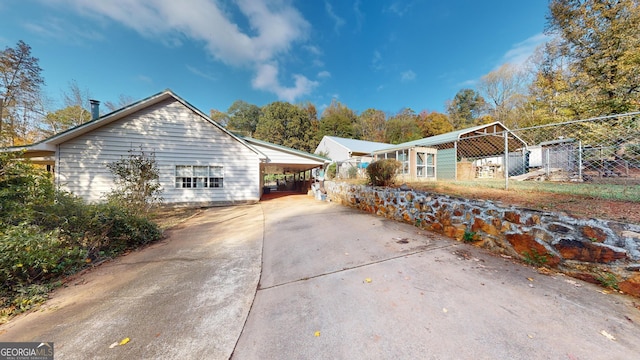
(198, 176)
(403, 157)
(425, 165)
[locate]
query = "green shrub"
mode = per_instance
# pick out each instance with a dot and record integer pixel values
(28, 296)
(28, 255)
(66, 212)
(352, 172)
(383, 172)
(113, 229)
(136, 182)
(469, 236)
(331, 171)
(608, 280)
(23, 187)
(46, 234)
(534, 258)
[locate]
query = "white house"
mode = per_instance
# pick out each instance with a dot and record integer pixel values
(343, 149)
(199, 161)
(351, 156)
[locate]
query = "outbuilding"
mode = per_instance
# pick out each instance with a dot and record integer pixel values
(349, 155)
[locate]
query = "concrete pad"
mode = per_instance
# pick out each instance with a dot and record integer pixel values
(185, 297)
(309, 238)
(401, 293)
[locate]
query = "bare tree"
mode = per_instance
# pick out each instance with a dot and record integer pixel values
(504, 90)
(123, 101)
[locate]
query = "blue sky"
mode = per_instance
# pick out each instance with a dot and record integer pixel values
(386, 55)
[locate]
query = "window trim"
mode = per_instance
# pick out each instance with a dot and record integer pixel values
(189, 178)
(428, 166)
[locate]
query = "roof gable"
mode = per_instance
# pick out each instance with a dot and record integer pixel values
(50, 143)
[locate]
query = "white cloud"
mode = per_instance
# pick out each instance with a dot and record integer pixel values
(55, 28)
(376, 61)
(145, 79)
(359, 14)
(313, 49)
(408, 75)
(520, 52)
(324, 74)
(273, 28)
(468, 83)
(200, 73)
(339, 22)
(318, 63)
(267, 79)
(399, 8)
(516, 56)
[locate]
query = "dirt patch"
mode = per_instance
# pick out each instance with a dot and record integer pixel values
(169, 216)
(573, 205)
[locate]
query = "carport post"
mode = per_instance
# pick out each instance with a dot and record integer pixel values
(506, 160)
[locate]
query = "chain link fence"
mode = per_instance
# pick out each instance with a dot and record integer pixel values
(604, 151)
(355, 168)
(595, 157)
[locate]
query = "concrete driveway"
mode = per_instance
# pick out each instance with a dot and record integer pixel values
(186, 297)
(336, 283)
(341, 284)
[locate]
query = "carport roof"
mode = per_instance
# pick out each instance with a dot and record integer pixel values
(281, 159)
(478, 133)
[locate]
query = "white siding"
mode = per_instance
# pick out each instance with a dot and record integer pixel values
(335, 151)
(178, 136)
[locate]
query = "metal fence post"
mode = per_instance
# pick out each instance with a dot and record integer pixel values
(579, 160)
(547, 166)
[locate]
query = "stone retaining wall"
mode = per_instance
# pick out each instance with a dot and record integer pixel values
(599, 251)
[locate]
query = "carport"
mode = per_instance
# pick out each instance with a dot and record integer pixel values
(454, 150)
(295, 165)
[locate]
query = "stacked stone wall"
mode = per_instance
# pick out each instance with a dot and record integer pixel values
(595, 250)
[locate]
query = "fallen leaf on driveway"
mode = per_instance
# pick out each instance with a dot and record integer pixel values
(124, 341)
(316, 334)
(607, 335)
(367, 280)
(574, 283)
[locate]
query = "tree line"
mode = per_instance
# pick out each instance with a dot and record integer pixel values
(590, 67)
